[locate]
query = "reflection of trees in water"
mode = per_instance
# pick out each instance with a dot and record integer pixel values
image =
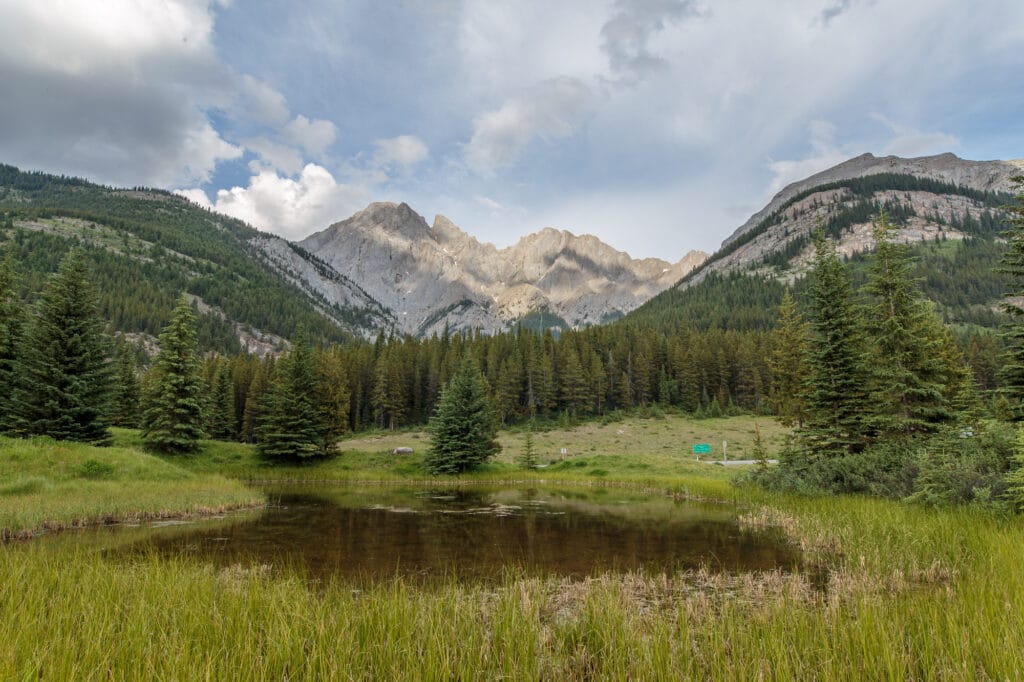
(459, 532)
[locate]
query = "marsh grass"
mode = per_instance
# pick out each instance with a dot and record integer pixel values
(50, 485)
(80, 616)
(895, 591)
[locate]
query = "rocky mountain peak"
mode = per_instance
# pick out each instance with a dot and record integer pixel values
(992, 176)
(431, 276)
(390, 217)
(933, 197)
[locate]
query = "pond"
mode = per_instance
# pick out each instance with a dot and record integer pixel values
(368, 534)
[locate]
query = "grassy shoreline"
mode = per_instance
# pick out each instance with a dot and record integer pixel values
(47, 485)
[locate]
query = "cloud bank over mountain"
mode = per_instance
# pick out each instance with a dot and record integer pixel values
(636, 120)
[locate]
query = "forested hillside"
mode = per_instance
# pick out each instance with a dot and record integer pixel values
(955, 252)
(146, 246)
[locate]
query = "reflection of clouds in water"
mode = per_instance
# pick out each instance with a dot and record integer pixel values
(394, 510)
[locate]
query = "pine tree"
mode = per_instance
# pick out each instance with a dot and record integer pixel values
(907, 362)
(837, 397)
(788, 363)
(463, 430)
(64, 379)
(173, 418)
(11, 323)
(292, 427)
(1012, 266)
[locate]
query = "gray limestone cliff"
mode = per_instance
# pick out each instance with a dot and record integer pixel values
(431, 276)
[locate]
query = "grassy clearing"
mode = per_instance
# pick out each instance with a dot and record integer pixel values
(46, 485)
(655, 452)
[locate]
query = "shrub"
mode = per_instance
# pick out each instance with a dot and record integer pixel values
(92, 468)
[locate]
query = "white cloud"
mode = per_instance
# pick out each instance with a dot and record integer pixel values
(121, 91)
(84, 38)
(291, 208)
(196, 196)
(550, 110)
(909, 141)
(508, 47)
(495, 207)
(404, 150)
(315, 136)
(115, 91)
(824, 154)
(262, 102)
(277, 156)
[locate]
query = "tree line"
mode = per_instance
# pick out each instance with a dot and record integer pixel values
(880, 393)
(873, 380)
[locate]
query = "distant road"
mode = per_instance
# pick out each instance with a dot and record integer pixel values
(737, 462)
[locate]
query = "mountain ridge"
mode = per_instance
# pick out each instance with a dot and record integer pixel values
(938, 191)
(949, 210)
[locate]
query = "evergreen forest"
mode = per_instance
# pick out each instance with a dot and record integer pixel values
(879, 362)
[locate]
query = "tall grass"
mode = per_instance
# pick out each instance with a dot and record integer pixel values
(46, 484)
(79, 616)
(894, 591)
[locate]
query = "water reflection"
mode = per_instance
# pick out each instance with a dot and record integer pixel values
(362, 535)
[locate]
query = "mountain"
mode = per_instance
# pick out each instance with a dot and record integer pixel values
(148, 246)
(436, 276)
(384, 268)
(949, 208)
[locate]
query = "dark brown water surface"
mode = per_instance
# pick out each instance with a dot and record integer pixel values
(361, 535)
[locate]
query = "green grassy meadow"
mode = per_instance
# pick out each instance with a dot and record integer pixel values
(894, 591)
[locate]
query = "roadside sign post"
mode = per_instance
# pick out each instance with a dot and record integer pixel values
(701, 448)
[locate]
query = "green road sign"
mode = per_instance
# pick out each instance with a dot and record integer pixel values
(701, 448)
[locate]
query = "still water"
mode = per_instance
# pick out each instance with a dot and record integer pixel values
(361, 535)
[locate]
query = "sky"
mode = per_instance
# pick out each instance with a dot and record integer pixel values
(658, 125)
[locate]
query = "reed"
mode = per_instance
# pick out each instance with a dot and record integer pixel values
(77, 615)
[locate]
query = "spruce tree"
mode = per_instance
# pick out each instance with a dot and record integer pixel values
(333, 389)
(837, 385)
(292, 428)
(574, 386)
(463, 430)
(528, 458)
(173, 419)
(907, 360)
(256, 399)
(1012, 266)
(64, 379)
(788, 363)
(221, 410)
(126, 391)
(11, 322)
